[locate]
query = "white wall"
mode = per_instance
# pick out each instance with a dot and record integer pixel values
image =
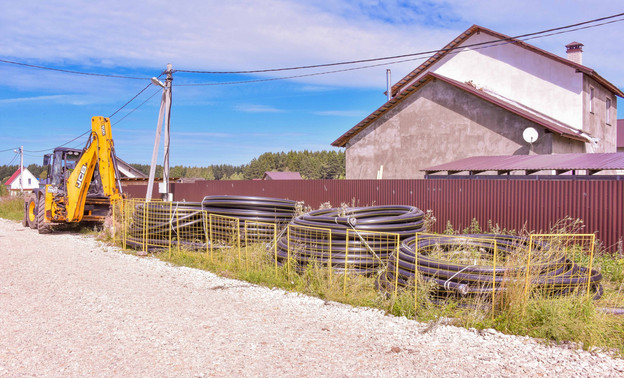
(519, 74)
(16, 184)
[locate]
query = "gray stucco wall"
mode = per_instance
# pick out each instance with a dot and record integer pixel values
(595, 122)
(438, 124)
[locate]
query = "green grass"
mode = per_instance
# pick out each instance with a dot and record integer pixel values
(12, 208)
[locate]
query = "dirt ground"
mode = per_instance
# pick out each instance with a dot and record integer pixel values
(72, 306)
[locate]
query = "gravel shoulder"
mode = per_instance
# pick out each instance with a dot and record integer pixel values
(72, 306)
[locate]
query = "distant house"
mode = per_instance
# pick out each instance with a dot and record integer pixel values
(273, 175)
(620, 135)
(14, 183)
(476, 97)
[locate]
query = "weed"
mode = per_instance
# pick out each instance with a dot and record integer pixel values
(12, 208)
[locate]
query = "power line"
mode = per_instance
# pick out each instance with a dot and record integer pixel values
(71, 71)
(129, 101)
(297, 76)
(31, 155)
(62, 145)
(9, 149)
(133, 110)
(14, 157)
(412, 54)
(479, 46)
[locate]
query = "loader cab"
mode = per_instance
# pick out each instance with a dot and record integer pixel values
(60, 165)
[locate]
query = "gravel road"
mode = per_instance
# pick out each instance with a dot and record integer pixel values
(72, 306)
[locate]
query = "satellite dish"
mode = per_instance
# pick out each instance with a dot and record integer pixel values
(530, 135)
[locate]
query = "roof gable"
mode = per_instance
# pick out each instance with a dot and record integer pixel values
(524, 112)
(475, 29)
(13, 177)
(17, 175)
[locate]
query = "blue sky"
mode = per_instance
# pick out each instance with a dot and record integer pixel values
(231, 124)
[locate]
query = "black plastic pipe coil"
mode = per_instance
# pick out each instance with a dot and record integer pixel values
(157, 225)
(366, 255)
(557, 274)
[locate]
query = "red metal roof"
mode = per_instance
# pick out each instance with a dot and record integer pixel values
(13, 177)
(533, 163)
(620, 133)
(524, 112)
(478, 29)
(273, 175)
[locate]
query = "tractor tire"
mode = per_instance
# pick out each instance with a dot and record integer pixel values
(31, 212)
(43, 228)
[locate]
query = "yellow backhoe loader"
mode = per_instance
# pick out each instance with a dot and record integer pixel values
(81, 184)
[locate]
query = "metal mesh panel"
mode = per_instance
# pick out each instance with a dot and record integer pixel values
(260, 244)
(224, 235)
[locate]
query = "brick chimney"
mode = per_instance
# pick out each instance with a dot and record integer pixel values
(575, 52)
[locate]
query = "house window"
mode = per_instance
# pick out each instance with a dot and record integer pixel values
(29, 181)
(608, 109)
(591, 100)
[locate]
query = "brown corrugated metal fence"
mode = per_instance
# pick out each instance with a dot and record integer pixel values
(512, 204)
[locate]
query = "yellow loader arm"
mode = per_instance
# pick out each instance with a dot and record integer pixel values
(101, 152)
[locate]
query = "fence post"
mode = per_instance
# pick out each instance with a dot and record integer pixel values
(275, 247)
(396, 267)
(494, 276)
(170, 225)
(331, 267)
(178, 231)
(416, 272)
(591, 262)
(124, 220)
(344, 286)
(211, 237)
(288, 250)
(145, 216)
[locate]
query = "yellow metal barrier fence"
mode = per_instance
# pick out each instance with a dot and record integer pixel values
(224, 234)
(306, 246)
(368, 251)
(260, 241)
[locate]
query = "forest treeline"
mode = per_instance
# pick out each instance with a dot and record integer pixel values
(313, 165)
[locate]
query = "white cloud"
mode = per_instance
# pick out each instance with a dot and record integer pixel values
(251, 108)
(250, 34)
(33, 99)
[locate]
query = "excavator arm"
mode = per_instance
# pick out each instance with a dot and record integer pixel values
(99, 153)
(64, 199)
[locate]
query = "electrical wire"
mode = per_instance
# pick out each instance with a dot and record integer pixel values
(133, 110)
(489, 44)
(10, 149)
(12, 160)
(71, 71)
(62, 145)
(413, 54)
(129, 101)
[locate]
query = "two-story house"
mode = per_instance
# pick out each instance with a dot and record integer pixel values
(477, 96)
